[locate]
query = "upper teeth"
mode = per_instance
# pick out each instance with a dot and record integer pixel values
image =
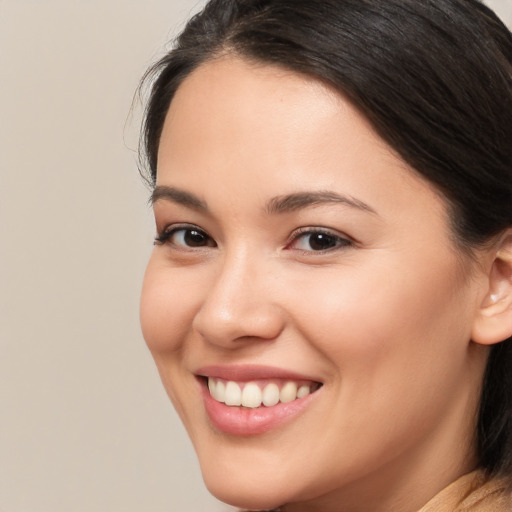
(252, 395)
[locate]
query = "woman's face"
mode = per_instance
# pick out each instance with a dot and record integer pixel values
(299, 259)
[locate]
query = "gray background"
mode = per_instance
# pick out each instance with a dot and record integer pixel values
(84, 422)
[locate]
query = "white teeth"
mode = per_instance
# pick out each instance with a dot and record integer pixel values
(288, 393)
(219, 392)
(303, 391)
(251, 394)
(270, 395)
(233, 394)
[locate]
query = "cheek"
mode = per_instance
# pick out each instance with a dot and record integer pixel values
(166, 313)
(397, 356)
(166, 309)
(380, 328)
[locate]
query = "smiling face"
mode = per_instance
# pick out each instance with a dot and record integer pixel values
(298, 254)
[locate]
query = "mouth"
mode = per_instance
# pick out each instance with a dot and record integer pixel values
(252, 400)
(258, 393)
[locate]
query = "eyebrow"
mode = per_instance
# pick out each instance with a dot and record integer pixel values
(296, 201)
(178, 196)
(277, 205)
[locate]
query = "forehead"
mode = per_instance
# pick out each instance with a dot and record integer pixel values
(252, 118)
(223, 93)
(233, 106)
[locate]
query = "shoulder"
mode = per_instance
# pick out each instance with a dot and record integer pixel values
(474, 492)
(490, 494)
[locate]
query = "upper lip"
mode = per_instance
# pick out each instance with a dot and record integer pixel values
(245, 373)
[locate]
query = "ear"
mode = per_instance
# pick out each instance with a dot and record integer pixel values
(493, 322)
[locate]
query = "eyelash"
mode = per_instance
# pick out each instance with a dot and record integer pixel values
(338, 241)
(169, 232)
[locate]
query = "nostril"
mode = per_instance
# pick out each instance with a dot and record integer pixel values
(242, 321)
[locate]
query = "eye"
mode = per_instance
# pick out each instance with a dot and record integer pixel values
(317, 240)
(186, 237)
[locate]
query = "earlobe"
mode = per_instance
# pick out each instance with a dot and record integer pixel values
(493, 322)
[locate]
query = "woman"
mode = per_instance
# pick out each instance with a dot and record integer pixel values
(329, 300)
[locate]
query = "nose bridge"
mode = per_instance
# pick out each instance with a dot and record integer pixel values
(239, 303)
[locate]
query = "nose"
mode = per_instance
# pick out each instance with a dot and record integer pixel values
(239, 306)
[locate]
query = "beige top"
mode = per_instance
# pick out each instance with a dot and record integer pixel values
(473, 492)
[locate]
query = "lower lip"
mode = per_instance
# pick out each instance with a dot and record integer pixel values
(243, 421)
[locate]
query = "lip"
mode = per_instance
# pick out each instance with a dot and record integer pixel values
(242, 421)
(246, 373)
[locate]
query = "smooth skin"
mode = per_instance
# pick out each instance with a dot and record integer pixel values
(365, 292)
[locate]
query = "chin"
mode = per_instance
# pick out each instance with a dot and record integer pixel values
(244, 483)
(248, 496)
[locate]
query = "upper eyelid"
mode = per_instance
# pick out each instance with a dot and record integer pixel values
(344, 241)
(296, 232)
(165, 234)
(169, 229)
(317, 229)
